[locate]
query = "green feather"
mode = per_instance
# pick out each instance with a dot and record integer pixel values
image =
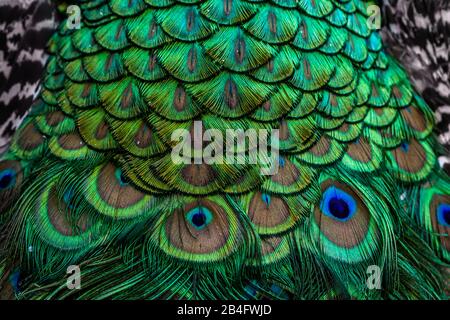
(316, 8)
(94, 129)
(29, 142)
(127, 7)
(229, 12)
(104, 66)
(112, 36)
(82, 94)
(144, 30)
(273, 25)
(108, 191)
(84, 41)
(229, 95)
(191, 26)
(236, 51)
(312, 33)
(137, 138)
(187, 62)
(176, 105)
(122, 99)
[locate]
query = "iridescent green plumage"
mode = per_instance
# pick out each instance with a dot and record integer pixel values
(92, 180)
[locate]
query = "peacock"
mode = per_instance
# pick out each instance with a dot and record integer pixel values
(25, 26)
(356, 207)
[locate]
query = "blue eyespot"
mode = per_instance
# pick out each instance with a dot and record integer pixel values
(281, 162)
(251, 291)
(266, 198)
(443, 214)
(199, 217)
(404, 146)
(14, 280)
(123, 181)
(7, 179)
(276, 289)
(338, 204)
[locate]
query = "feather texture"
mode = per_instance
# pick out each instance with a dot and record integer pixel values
(91, 173)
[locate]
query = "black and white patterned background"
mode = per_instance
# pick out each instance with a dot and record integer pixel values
(25, 26)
